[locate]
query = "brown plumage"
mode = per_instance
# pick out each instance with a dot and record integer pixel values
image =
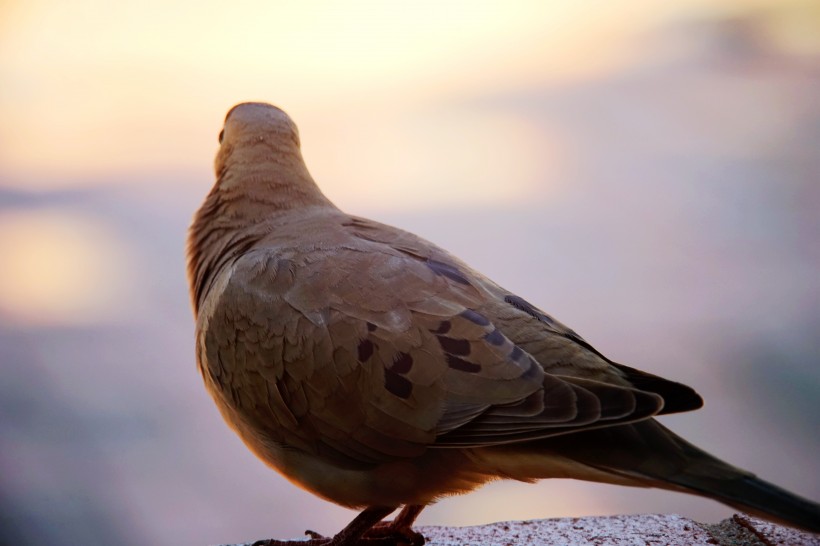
(377, 371)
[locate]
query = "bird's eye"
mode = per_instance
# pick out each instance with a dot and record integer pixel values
(221, 134)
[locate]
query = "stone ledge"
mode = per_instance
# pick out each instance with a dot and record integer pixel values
(647, 530)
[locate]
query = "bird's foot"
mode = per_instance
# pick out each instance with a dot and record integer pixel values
(381, 535)
(366, 529)
(315, 540)
(389, 530)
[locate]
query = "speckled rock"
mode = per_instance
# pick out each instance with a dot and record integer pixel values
(643, 530)
(599, 531)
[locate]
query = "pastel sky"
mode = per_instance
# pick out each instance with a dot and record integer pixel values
(94, 89)
(133, 94)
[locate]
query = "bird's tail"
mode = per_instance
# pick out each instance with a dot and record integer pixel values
(651, 455)
(758, 497)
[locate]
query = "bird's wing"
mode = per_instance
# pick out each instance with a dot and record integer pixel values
(382, 345)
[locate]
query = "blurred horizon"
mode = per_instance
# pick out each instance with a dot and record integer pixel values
(649, 171)
(115, 64)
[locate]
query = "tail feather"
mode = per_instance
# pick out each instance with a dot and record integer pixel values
(651, 455)
(759, 498)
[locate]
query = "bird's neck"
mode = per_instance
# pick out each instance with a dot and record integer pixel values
(243, 208)
(261, 178)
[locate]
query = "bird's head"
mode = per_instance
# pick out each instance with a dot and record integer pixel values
(250, 122)
(256, 133)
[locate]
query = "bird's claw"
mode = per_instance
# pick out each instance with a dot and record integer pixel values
(403, 536)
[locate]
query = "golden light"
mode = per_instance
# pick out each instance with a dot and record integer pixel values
(431, 158)
(60, 268)
(93, 89)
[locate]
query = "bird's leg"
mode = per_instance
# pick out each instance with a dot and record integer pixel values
(400, 528)
(352, 535)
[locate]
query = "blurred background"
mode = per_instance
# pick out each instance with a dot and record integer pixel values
(650, 170)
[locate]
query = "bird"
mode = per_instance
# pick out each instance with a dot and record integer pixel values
(379, 372)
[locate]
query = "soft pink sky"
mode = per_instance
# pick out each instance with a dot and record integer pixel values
(95, 89)
(96, 92)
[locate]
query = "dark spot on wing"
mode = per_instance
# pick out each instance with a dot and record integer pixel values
(495, 338)
(365, 350)
(533, 369)
(447, 270)
(402, 363)
(458, 347)
(462, 365)
(527, 307)
(397, 384)
(516, 353)
(371, 327)
(570, 334)
(443, 328)
(475, 317)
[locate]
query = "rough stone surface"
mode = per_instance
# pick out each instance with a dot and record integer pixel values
(772, 534)
(642, 530)
(610, 531)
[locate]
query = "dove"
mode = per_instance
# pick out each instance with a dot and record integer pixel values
(380, 372)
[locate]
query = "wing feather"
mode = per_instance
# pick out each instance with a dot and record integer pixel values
(382, 346)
